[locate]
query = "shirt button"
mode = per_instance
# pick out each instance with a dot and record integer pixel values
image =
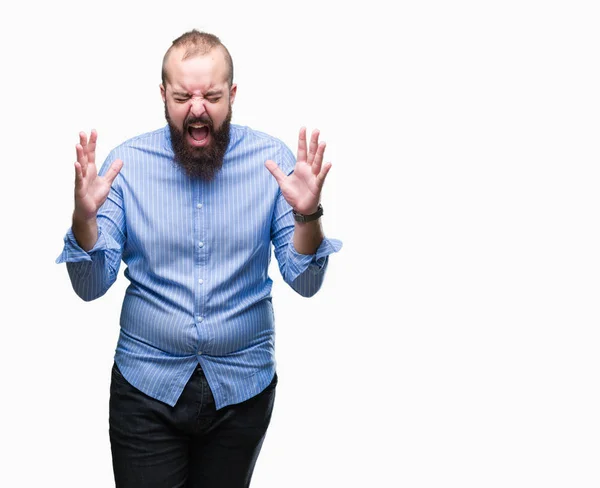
(200, 281)
(201, 244)
(199, 318)
(199, 205)
(199, 353)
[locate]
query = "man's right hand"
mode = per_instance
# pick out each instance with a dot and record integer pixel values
(91, 190)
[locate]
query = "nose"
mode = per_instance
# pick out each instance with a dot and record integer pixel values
(197, 107)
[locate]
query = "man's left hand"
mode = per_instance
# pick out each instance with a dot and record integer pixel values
(302, 188)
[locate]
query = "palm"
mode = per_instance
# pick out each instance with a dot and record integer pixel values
(302, 188)
(91, 190)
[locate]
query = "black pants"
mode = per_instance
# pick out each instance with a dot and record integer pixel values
(189, 445)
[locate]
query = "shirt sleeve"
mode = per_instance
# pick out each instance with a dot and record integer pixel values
(303, 272)
(93, 272)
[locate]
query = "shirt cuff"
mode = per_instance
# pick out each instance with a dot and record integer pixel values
(73, 253)
(299, 263)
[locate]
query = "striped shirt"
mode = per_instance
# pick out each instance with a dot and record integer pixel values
(197, 255)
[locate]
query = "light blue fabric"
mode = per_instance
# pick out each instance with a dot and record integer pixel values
(197, 256)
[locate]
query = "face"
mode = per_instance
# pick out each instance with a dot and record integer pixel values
(198, 103)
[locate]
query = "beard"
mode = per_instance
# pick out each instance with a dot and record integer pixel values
(200, 162)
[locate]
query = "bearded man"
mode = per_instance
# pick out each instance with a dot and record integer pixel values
(192, 212)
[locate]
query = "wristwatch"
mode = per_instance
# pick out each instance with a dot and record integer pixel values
(298, 217)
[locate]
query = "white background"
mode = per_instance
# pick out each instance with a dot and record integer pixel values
(455, 340)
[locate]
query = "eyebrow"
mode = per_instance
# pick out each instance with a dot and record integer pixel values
(210, 93)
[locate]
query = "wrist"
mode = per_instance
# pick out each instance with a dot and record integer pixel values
(308, 217)
(85, 232)
(84, 223)
(83, 218)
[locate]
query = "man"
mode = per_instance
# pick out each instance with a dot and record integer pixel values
(192, 211)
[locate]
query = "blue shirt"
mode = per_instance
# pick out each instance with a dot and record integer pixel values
(197, 256)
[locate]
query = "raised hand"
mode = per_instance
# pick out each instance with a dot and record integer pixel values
(302, 188)
(91, 190)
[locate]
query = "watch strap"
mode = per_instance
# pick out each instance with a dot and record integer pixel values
(298, 217)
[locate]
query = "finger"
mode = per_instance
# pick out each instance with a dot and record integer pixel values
(316, 167)
(78, 178)
(81, 158)
(323, 174)
(83, 140)
(279, 175)
(91, 150)
(113, 171)
(301, 155)
(314, 144)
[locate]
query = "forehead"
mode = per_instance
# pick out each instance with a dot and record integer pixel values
(199, 71)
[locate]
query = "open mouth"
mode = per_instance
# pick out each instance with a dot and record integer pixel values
(198, 132)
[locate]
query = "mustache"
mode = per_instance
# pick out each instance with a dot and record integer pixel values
(203, 119)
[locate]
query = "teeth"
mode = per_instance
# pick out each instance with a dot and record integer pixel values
(197, 126)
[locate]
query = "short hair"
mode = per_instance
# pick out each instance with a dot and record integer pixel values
(197, 44)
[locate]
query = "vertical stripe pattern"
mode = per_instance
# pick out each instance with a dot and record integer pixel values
(196, 256)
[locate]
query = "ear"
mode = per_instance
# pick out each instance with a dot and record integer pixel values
(232, 93)
(163, 93)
